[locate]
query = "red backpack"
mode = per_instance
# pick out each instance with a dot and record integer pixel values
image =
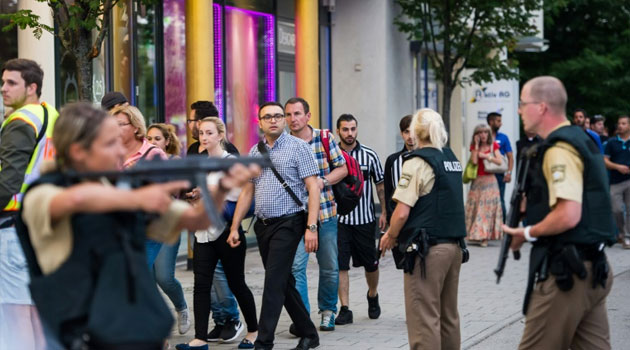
(349, 190)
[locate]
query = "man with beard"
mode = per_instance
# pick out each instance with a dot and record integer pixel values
(494, 121)
(579, 118)
(356, 234)
(393, 164)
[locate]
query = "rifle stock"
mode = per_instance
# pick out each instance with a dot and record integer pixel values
(193, 169)
(513, 217)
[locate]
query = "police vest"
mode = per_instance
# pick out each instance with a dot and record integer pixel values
(103, 295)
(441, 211)
(596, 224)
(34, 115)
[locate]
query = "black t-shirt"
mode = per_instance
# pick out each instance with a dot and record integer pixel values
(618, 152)
(193, 149)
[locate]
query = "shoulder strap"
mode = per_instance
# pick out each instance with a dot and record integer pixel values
(263, 150)
(42, 132)
(146, 153)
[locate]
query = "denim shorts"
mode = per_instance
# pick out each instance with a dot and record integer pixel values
(14, 276)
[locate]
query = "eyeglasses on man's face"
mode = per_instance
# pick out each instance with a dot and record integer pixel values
(191, 120)
(270, 117)
(524, 103)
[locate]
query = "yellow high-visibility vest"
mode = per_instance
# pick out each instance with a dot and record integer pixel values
(33, 115)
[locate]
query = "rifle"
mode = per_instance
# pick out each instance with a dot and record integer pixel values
(194, 169)
(514, 216)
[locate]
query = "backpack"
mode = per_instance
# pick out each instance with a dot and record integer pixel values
(349, 190)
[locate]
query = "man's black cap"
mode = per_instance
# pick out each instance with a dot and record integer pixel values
(112, 99)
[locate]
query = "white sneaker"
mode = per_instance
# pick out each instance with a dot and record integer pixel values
(183, 321)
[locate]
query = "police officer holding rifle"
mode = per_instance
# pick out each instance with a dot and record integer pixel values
(570, 222)
(84, 239)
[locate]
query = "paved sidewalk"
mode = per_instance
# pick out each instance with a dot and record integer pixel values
(486, 309)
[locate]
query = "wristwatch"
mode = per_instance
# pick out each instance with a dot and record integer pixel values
(325, 180)
(312, 228)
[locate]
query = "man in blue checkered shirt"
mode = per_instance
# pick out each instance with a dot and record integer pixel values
(281, 224)
(332, 169)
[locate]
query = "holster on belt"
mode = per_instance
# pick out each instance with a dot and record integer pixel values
(419, 246)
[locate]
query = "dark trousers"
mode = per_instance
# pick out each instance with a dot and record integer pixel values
(205, 258)
(278, 243)
(502, 193)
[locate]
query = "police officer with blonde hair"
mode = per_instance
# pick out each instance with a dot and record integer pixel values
(570, 218)
(428, 228)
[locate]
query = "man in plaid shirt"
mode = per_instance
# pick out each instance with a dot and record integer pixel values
(282, 223)
(332, 169)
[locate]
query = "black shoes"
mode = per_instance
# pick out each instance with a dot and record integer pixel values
(307, 343)
(231, 330)
(344, 316)
(215, 333)
(374, 309)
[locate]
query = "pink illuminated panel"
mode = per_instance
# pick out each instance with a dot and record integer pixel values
(249, 70)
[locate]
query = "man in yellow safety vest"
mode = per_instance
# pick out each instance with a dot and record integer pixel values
(25, 141)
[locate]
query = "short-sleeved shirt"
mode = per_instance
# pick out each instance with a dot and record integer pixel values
(504, 143)
(53, 243)
(563, 169)
(417, 180)
(618, 151)
(481, 169)
(327, 205)
(295, 161)
(146, 151)
(393, 170)
(372, 171)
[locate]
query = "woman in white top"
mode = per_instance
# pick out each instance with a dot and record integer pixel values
(211, 246)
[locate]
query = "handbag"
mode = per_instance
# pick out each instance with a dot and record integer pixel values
(470, 172)
(494, 168)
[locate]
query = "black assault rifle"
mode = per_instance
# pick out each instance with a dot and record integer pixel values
(194, 169)
(514, 215)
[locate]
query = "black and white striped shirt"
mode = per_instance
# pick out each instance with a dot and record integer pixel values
(372, 170)
(393, 169)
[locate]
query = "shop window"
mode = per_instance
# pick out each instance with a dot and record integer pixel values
(175, 65)
(245, 70)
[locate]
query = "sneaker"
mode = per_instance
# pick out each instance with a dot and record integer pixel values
(374, 309)
(183, 321)
(215, 333)
(626, 243)
(328, 321)
(231, 330)
(344, 316)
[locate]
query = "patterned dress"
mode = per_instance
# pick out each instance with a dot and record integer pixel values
(484, 215)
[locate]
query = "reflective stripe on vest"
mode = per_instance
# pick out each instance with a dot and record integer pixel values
(33, 115)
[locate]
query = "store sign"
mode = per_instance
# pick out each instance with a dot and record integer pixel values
(286, 37)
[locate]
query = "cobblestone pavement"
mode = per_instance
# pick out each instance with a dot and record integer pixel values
(485, 307)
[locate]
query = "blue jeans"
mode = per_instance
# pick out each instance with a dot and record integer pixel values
(222, 301)
(328, 268)
(502, 193)
(153, 249)
(164, 268)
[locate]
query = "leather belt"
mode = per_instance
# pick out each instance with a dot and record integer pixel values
(276, 220)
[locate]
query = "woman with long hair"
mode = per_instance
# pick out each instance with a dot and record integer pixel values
(484, 215)
(211, 247)
(164, 136)
(429, 216)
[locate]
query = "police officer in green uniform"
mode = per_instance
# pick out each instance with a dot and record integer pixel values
(84, 240)
(570, 218)
(428, 228)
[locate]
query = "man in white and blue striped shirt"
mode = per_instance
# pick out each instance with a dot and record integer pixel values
(356, 234)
